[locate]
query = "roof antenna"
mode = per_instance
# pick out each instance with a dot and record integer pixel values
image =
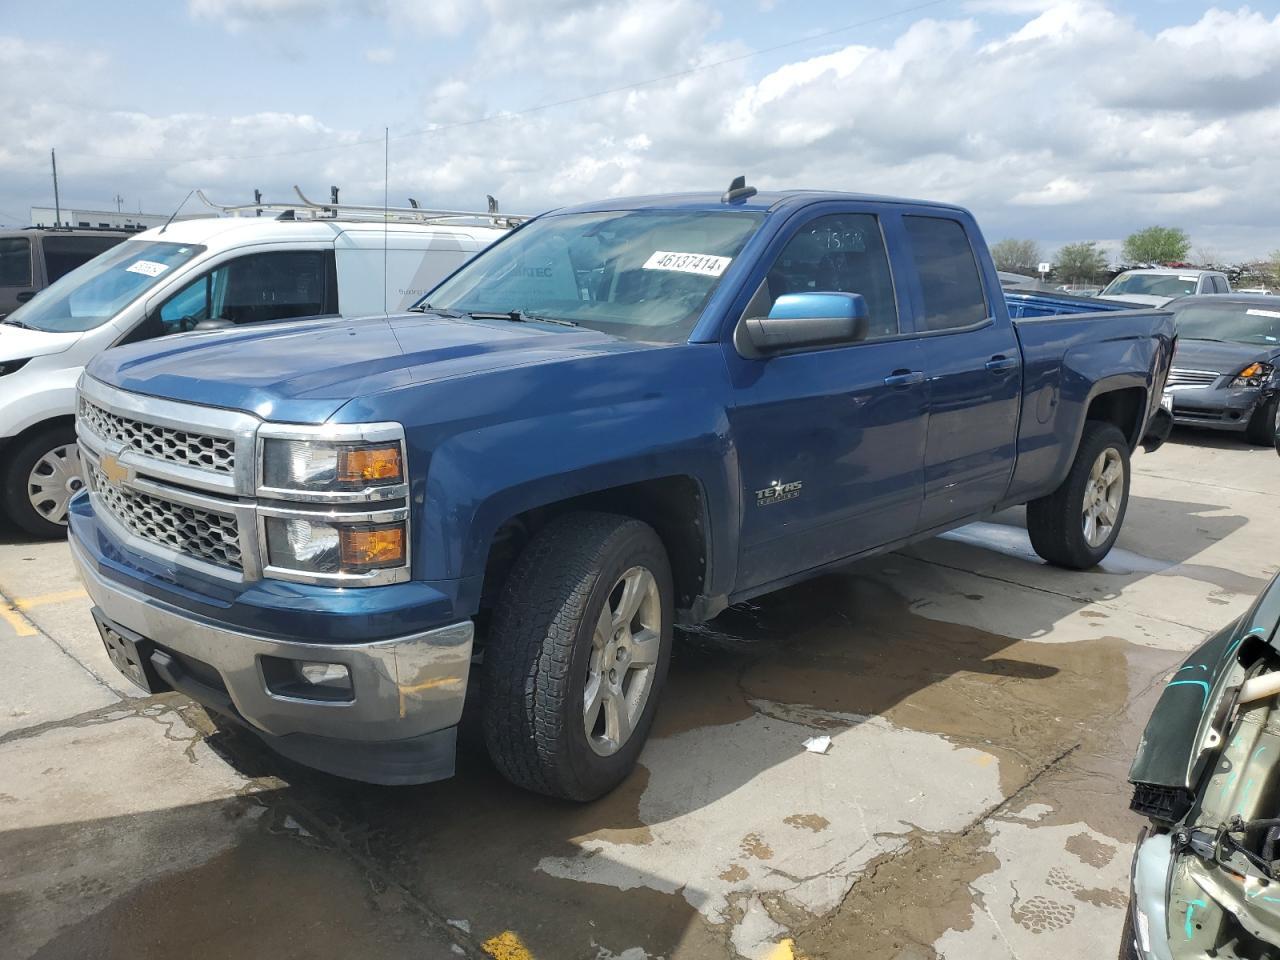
(175, 212)
(738, 190)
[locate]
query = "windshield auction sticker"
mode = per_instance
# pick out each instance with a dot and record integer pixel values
(1273, 314)
(701, 263)
(148, 267)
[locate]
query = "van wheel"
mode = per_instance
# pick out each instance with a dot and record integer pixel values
(577, 654)
(1264, 425)
(42, 476)
(1077, 524)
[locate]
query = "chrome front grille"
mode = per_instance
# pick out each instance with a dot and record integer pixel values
(1179, 377)
(203, 534)
(185, 447)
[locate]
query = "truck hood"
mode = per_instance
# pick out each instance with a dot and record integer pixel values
(304, 372)
(1137, 299)
(1226, 358)
(19, 343)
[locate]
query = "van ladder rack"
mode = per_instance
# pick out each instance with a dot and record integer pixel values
(305, 208)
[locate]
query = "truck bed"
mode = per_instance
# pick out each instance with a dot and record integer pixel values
(1069, 357)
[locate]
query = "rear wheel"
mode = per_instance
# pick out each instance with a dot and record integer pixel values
(577, 655)
(1264, 425)
(42, 476)
(1077, 524)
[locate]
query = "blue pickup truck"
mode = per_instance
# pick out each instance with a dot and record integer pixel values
(621, 417)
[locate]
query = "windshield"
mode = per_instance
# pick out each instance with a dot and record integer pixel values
(639, 274)
(1153, 284)
(94, 292)
(1238, 322)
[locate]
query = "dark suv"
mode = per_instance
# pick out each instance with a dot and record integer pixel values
(33, 258)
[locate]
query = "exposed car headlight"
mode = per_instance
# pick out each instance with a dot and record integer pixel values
(12, 366)
(333, 465)
(332, 547)
(1254, 375)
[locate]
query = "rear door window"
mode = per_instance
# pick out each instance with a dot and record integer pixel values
(948, 271)
(62, 254)
(15, 262)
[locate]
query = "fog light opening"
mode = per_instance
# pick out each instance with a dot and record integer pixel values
(307, 679)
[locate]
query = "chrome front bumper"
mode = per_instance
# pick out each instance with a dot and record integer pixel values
(403, 688)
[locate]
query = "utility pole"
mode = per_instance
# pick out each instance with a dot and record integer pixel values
(119, 203)
(57, 207)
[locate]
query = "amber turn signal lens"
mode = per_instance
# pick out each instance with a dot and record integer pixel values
(370, 464)
(368, 548)
(1252, 370)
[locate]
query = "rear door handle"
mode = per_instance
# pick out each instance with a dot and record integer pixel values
(904, 378)
(1001, 364)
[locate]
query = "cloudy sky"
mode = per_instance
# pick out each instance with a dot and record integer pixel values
(1051, 119)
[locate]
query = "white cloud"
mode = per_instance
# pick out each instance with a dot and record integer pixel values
(1056, 192)
(1069, 121)
(380, 55)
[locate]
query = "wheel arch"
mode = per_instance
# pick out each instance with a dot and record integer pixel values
(675, 506)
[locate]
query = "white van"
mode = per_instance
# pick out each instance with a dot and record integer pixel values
(193, 275)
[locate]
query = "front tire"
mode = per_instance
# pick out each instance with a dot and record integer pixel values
(1077, 524)
(577, 655)
(41, 477)
(1264, 425)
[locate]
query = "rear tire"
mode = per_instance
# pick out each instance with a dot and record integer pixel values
(41, 477)
(577, 655)
(1077, 524)
(1264, 424)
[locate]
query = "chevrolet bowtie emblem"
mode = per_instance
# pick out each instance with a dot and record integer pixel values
(113, 469)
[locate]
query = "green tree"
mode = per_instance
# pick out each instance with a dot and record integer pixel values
(1080, 262)
(1017, 256)
(1157, 245)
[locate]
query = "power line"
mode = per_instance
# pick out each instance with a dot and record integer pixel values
(541, 107)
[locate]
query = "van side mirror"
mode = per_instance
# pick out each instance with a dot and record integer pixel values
(799, 320)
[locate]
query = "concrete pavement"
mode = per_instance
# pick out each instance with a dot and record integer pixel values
(983, 709)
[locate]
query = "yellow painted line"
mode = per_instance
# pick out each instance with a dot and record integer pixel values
(17, 621)
(506, 946)
(784, 950)
(26, 603)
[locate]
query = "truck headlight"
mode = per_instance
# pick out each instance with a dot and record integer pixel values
(1254, 375)
(328, 546)
(330, 465)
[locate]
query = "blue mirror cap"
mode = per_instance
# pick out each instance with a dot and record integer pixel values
(810, 306)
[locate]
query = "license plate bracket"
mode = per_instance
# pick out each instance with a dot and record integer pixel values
(130, 653)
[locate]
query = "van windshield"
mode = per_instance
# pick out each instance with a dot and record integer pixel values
(638, 274)
(94, 292)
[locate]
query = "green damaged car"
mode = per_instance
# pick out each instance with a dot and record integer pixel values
(1206, 874)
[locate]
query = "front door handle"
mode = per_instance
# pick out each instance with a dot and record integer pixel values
(904, 378)
(1000, 363)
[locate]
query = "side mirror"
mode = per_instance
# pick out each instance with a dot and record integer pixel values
(799, 320)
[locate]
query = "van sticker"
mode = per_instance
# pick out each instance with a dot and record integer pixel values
(700, 263)
(1273, 314)
(1188, 278)
(148, 267)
